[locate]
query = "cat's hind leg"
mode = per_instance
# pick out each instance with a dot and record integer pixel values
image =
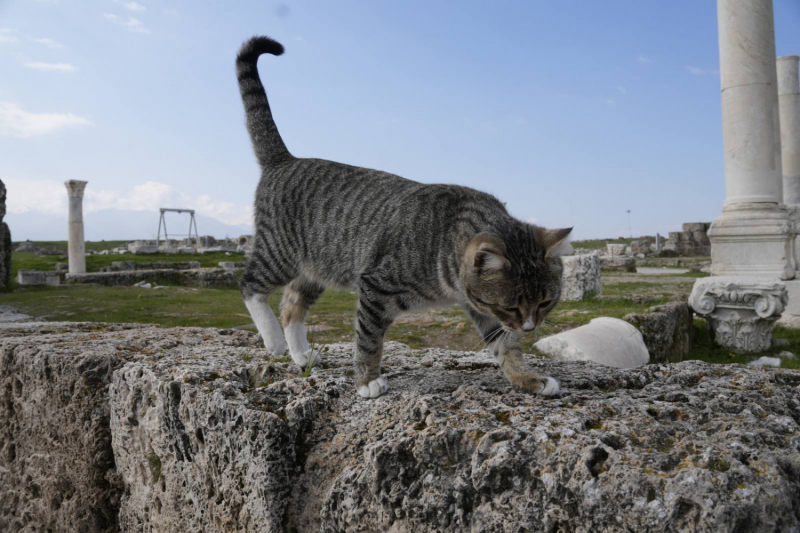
(256, 291)
(298, 297)
(507, 350)
(372, 320)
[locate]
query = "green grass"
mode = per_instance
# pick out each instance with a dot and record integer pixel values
(331, 319)
(595, 244)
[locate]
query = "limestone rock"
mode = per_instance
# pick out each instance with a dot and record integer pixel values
(580, 278)
(209, 435)
(667, 331)
(605, 340)
(618, 263)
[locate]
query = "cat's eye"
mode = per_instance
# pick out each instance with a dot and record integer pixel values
(545, 303)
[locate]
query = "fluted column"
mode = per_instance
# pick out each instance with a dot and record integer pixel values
(77, 247)
(789, 105)
(754, 234)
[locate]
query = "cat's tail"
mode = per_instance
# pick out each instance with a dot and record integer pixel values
(267, 142)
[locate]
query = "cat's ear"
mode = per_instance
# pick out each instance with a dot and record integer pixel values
(555, 241)
(486, 251)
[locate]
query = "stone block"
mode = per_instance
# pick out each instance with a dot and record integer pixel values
(57, 464)
(31, 277)
(203, 440)
(580, 278)
(615, 249)
(145, 250)
(618, 263)
(696, 226)
(605, 340)
(667, 331)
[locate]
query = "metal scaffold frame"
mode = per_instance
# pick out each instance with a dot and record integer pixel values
(163, 222)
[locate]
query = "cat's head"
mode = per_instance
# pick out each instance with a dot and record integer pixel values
(515, 277)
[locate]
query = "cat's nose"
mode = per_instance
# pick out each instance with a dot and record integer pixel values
(528, 325)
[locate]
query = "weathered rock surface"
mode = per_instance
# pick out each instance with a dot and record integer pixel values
(667, 331)
(604, 340)
(580, 278)
(208, 435)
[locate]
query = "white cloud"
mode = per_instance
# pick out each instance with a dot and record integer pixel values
(51, 67)
(7, 35)
(611, 101)
(697, 71)
(39, 196)
(131, 6)
(531, 220)
(622, 89)
(132, 23)
(643, 59)
(50, 197)
(15, 122)
(50, 43)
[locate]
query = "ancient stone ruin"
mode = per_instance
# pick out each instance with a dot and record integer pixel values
(133, 428)
(5, 242)
(692, 241)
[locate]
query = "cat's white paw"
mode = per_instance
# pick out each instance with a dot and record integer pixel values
(375, 388)
(551, 388)
(303, 358)
(275, 344)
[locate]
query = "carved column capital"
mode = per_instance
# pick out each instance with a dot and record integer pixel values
(75, 188)
(742, 311)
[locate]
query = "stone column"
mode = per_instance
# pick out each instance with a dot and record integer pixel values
(789, 105)
(754, 235)
(77, 248)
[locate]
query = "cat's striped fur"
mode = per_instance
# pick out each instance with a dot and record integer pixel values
(399, 243)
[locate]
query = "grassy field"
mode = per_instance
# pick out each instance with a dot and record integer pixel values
(331, 319)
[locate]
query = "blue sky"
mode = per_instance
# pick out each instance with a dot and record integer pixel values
(570, 111)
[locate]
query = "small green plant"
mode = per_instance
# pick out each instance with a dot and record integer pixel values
(255, 378)
(155, 466)
(314, 358)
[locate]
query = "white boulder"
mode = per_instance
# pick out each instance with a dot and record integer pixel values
(605, 340)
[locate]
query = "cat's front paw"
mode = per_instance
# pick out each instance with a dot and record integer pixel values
(275, 345)
(374, 388)
(541, 385)
(302, 359)
(551, 388)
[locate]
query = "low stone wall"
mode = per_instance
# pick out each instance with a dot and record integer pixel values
(121, 266)
(188, 429)
(217, 278)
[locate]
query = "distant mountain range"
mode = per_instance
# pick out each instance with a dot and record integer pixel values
(113, 225)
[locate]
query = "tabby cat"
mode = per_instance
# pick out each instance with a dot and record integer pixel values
(401, 244)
